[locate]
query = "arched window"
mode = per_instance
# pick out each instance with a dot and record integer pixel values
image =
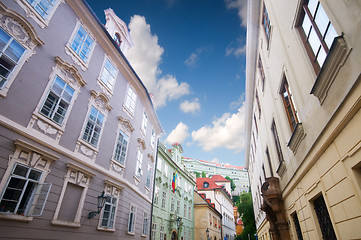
(117, 39)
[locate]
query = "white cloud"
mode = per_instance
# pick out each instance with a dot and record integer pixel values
(241, 6)
(190, 106)
(178, 135)
(193, 59)
(225, 132)
(215, 160)
(145, 57)
(236, 51)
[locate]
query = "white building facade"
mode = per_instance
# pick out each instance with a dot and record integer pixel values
(238, 174)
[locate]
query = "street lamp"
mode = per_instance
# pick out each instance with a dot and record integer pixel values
(178, 220)
(207, 231)
(101, 202)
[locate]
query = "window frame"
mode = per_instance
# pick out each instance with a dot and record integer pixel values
(91, 135)
(145, 224)
(149, 177)
(43, 22)
(125, 138)
(111, 217)
(138, 168)
(130, 102)
(266, 23)
(144, 123)
(72, 53)
(131, 219)
(288, 104)
(303, 12)
(164, 199)
(261, 70)
(104, 85)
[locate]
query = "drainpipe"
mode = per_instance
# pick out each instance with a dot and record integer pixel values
(221, 212)
(155, 171)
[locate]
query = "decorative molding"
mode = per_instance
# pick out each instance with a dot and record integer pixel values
(46, 128)
(112, 188)
(297, 136)
(117, 167)
(334, 61)
(71, 69)
(126, 123)
(86, 151)
(136, 180)
(19, 27)
(142, 143)
(281, 168)
(101, 100)
(151, 157)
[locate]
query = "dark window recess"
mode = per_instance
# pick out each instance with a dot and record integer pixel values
(297, 226)
(324, 219)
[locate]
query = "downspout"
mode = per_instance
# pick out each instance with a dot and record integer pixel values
(221, 212)
(155, 171)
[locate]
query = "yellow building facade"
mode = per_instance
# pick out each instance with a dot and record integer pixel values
(303, 119)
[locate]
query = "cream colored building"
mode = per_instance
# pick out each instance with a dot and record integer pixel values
(206, 219)
(303, 119)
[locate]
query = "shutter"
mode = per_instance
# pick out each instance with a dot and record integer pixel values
(38, 200)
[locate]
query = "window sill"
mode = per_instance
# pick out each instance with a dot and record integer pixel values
(281, 169)
(14, 217)
(74, 56)
(104, 87)
(131, 233)
(335, 59)
(65, 223)
(106, 229)
(143, 236)
(297, 136)
(136, 180)
(128, 112)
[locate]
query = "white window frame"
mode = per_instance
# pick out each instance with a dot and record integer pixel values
(154, 231)
(43, 22)
(121, 146)
(138, 169)
(112, 191)
(31, 157)
(153, 140)
(159, 164)
(164, 199)
(131, 219)
(72, 53)
(130, 101)
(149, 177)
(172, 205)
(105, 85)
(75, 81)
(144, 124)
(111, 202)
(91, 135)
(78, 176)
(156, 195)
(145, 224)
(161, 232)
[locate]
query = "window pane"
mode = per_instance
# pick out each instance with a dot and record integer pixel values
(321, 56)
(20, 170)
(314, 41)
(14, 51)
(312, 5)
(321, 20)
(4, 38)
(34, 174)
(330, 35)
(306, 25)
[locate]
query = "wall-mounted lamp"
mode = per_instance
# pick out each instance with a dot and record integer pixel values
(101, 202)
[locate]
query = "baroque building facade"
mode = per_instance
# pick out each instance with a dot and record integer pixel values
(303, 118)
(238, 174)
(76, 125)
(173, 203)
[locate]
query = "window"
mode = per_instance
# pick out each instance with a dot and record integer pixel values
(109, 211)
(269, 161)
(93, 127)
(297, 226)
(149, 176)
(152, 140)
(56, 104)
(159, 164)
(138, 170)
(189, 212)
(154, 231)
(43, 7)
(258, 105)
(131, 219)
(130, 100)
(117, 39)
(22, 185)
(277, 142)
(260, 67)
(166, 170)
(10, 54)
(121, 147)
(316, 31)
(266, 23)
(324, 219)
(172, 205)
(144, 123)
(82, 44)
(156, 195)
(205, 184)
(178, 207)
(145, 224)
(108, 74)
(161, 235)
(185, 210)
(164, 198)
(288, 104)
(255, 123)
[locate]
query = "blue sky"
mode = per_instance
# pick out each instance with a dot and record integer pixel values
(191, 55)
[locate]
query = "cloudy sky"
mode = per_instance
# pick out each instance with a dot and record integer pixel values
(190, 54)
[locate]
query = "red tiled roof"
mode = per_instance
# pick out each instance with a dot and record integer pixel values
(212, 184)
(219, 178)
(226, 165)
(239, 222)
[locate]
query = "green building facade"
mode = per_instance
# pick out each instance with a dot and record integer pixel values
(172, 215)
